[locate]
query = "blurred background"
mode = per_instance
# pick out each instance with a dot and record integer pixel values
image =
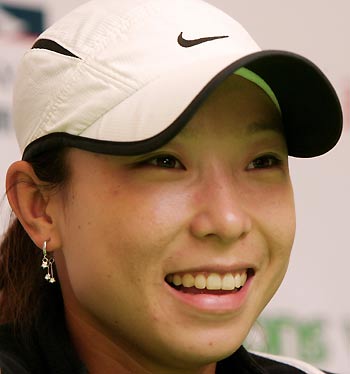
(309, 317)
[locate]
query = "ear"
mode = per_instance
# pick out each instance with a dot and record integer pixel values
(29, 200)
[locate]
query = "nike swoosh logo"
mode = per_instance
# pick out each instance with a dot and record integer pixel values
(186, 43)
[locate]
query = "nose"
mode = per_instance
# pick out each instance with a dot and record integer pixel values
(220, 211)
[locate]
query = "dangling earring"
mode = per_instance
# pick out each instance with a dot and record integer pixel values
(47, 263)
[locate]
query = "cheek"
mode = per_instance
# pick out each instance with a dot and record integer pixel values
(275, 207)
(275, 229)
(115, 254)
(283, 209)
(125, 231)
(273, 212)
(155, 215)
(279, 230)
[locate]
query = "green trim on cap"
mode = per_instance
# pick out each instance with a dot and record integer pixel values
(255, 78)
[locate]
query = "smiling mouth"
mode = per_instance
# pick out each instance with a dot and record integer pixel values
(209, 283)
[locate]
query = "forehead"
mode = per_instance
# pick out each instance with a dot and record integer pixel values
(238, 103)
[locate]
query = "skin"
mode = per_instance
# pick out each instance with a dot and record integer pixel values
(218, 197)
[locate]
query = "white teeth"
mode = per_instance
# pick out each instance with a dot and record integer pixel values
(177, 280)
(228, 282)
(200, 282)
(188, 280)
(238, 282)
(243, 278)
(212, 281)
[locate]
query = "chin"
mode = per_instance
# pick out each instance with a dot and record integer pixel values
(209, 348)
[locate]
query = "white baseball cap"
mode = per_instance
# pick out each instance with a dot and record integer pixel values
(124, 76)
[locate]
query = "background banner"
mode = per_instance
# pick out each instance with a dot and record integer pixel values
(309, 317)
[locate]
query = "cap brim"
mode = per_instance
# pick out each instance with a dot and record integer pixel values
(311, 111)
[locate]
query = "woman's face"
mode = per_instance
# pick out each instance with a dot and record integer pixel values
(156, 247)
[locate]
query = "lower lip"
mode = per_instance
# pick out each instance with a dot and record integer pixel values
(212, 303)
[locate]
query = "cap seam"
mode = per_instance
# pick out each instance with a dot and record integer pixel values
(112, 34)
(47, 114)
(66, 89)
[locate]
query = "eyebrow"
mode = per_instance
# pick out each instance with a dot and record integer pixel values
(251, 129)
(256, 127)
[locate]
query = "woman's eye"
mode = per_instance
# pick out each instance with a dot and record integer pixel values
(166, 161)
(264, 162)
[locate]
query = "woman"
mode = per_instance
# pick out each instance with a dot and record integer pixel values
(154, 213)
